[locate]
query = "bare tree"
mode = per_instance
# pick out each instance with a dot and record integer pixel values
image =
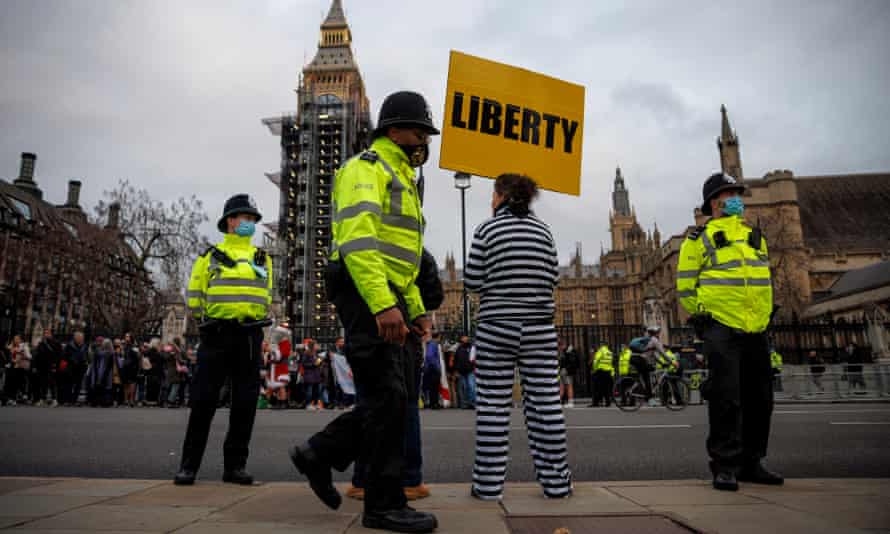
(164, 237)
(789, 263)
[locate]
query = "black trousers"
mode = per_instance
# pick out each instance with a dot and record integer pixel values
(740, 396)
(602, 387)
(232, 353)
(374, 431)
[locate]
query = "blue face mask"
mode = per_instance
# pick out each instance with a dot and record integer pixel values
(246, 228)
(734, 206)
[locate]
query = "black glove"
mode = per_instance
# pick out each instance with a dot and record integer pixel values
(700, 321)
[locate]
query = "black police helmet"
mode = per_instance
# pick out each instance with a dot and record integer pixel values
(237, 204)
(405, 109)
(716, 184)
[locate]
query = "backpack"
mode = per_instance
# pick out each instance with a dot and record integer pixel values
(639, 344)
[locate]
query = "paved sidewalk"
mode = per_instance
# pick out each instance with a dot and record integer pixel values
(812, 506)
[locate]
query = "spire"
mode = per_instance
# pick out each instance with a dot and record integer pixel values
(728, 147)
(619, 180)
(726, 133)
(620, 197)
(336, 18)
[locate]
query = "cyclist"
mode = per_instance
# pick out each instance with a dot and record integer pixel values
(648, 354)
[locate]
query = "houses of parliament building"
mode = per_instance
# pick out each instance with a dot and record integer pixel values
(817, 227)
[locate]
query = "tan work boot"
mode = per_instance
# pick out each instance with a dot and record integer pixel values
(355, 493)
(413, 493)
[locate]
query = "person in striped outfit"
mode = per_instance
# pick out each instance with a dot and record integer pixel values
(513, 266)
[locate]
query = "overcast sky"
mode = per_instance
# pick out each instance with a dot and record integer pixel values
(169, 94)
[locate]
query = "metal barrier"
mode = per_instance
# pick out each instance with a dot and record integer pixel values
(800, 383)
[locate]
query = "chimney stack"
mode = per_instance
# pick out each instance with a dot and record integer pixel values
(25, 181)
(73, 193)
(114, 216)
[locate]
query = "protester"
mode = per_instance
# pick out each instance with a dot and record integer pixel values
(466, 378)
(343, 374)
(817, 368)
(854, 358)
(20, 361)
(568, 366)
(46, 360)
(432, 373)
(173, 377)
(312, 376)
(452, 375)
(129, 370)
(99, 377)
(513, 265)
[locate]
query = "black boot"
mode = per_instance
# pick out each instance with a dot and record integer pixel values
(318, 474)
(185, 477)
(725, 481)
(238, 476)
(758, 474)
(404, 519)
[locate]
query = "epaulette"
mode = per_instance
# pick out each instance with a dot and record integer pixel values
(222, 257)
(369, 155)
(696, 233)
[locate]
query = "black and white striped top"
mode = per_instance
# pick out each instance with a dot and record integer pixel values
(513, 266)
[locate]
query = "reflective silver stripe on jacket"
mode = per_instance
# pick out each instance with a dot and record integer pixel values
(241, 282)
(687, 293)
(372, 243)
(709, 248)
(219, 299)
(357, 209)
(734, 282)
(196, 294)
(395, 194)
(399, 221)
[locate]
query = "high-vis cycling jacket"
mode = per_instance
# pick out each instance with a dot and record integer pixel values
(378, 226)
(219, 292)
(721, 273)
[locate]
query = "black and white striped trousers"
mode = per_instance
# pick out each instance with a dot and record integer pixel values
(500, 346)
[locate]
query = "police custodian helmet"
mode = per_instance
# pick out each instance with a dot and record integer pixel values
(238, 204)
(716, 184)
(406, 109)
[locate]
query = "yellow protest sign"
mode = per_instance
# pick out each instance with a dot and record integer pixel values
(500, 118)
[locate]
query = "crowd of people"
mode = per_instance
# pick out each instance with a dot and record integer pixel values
(121, 372)
(105, 372)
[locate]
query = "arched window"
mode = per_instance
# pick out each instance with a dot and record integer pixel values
(327, 99)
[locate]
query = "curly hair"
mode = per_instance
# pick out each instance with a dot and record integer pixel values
(518, 191)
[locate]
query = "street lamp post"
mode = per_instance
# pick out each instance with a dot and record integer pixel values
(462, 182)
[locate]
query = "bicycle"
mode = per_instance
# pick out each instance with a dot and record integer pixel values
(671, 388)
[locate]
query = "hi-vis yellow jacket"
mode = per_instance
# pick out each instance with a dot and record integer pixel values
(776, 360)
(624, 361)
(378, 226)
(219, 292)
(602, 360)
(720, 273)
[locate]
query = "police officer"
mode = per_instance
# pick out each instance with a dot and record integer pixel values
(229, 294)
(371, 279)
(602, 369)
(723, 281)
